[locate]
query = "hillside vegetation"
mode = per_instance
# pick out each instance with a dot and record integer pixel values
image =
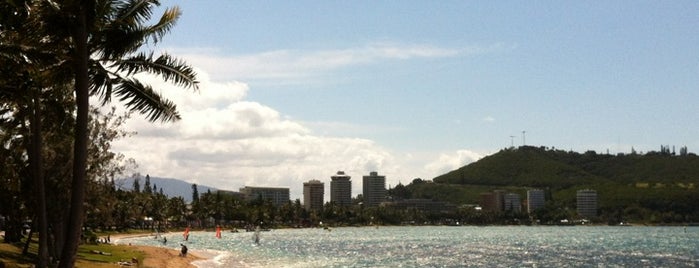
(540, 167)
(659, 187)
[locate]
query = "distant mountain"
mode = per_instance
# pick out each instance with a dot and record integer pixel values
(171, 187)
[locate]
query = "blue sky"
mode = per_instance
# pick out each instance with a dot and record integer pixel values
(296, 90)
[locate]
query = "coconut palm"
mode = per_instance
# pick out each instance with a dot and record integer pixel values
(95, 46)
(29, 63)
(106, 36)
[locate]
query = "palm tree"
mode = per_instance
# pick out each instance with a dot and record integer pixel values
(29, 63)
(106, 36)
(97, 43)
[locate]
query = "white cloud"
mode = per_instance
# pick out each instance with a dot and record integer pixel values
(289, 64)
(449, 162)
(228, 142)
(232, 143)
(489, 119)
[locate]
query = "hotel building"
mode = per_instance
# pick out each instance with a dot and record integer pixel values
(512, 202)
(587, 203)
(536, 199)
(278, 196)
(492, 201)
(313, 192)
(374, 189)
(341, 189)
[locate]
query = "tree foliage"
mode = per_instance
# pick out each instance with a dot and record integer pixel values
(94, 48)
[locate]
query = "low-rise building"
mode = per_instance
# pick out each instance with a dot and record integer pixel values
(278, 195)
(512, 202)
(492, 201)
(421, 204)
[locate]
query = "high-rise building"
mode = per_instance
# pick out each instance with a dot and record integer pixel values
(587, 203)
(313, 192)
(374, 189)
(341, 189)
(512, 202)
(278, 196)
(535, 200)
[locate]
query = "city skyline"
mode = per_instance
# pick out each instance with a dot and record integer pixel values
(292, 90)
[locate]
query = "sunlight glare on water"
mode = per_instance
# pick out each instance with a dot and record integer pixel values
(441, 246)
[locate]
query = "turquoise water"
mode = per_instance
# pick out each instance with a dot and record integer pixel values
(441, 246)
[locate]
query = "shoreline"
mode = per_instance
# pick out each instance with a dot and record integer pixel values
(156, 256)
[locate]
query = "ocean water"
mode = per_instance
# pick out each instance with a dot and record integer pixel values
(442, 246)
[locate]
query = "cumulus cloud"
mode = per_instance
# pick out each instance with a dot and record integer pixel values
(227, 142)
(452, 161)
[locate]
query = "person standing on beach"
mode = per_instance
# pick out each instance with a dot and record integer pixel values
(183, 252)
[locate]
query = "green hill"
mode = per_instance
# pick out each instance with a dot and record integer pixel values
(653, 187)
(539, 167)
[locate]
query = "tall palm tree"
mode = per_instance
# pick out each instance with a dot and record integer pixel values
(29, 62)
(97, 43)
(106, 37)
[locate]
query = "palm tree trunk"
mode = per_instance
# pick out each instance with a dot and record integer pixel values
(75, 220)
(36, 161)
(58, 233)
(25, 249)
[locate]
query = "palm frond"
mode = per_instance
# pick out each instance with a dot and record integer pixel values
(123, 32)
(60, 73)
(169, 68)
(116, 42)
(144, 100)
(134, 12)
(165, 24)
(100, 82)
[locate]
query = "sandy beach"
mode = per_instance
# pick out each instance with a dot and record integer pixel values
(157, 257)
(163, 257)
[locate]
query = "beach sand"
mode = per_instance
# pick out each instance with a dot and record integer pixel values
(157, 257)
(164, 257)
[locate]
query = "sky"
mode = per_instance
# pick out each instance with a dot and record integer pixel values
(297, 90)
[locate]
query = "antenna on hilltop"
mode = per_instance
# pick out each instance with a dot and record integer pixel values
(523, 140)
(512, 141)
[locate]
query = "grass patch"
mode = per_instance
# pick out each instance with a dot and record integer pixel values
(642, 185)
(106, 253)
(101, 255)
(11, 256)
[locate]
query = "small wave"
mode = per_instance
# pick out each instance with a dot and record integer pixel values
(211, 258)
